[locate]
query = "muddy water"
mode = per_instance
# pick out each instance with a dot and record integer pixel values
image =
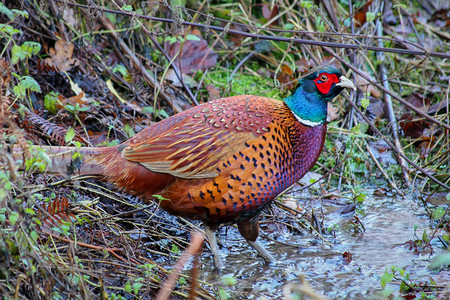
(388, 223)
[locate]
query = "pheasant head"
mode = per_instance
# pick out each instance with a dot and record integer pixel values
(309, 100)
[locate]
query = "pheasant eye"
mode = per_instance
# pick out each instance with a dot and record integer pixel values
(323, 78)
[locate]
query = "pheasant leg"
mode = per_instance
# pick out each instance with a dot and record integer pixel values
(249, 229)
(210, 232)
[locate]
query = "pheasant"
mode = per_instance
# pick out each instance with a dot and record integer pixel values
(223, 161)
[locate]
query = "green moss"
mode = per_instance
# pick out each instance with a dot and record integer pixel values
(243, 84)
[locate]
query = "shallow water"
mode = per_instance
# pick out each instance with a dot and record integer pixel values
(389, 222)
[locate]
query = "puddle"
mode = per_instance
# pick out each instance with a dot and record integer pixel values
(389, 222)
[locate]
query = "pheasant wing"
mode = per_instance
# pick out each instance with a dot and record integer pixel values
(193, 143)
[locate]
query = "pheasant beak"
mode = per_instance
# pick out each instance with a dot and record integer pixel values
(346, 83)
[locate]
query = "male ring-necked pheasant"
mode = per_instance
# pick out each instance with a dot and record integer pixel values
(222, 161)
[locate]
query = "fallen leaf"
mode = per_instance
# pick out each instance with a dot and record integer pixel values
(441, 107)
(237, 38)
(77, 99)
(213, 92)
(286, 77)
(418, 101)
(366, 86)
(347, 256)
(172, 76)
(269, 11)
(413, 126)
(303, 65)
(333, 112)
(195, 55)
(61, 56)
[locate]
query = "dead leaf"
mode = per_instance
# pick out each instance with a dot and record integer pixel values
(269, 11)
(195, 55)
(303, 65)
(61, 56)
(74, 100)
(237, 38)
(365, 85)
(413, 126)
(441, 107)
(333, 112)
(213, 92)
(286, 77)
(360, 14)
(347, 256)
(418, 101)
(69, 16)
(172, 76)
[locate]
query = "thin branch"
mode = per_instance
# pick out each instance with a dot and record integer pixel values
(226, 29)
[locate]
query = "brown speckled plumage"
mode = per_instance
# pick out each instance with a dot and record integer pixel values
(219, 162)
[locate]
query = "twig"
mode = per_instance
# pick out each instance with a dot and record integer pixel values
(377, 163)
(78, 243)
(375, 129)
(196, 242)
(176, 108)
(392, 118)
(277, 38)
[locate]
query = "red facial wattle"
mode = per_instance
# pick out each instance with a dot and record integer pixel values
(324, 82)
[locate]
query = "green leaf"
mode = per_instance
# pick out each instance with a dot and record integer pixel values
(9, 30)
(137, 286)
(69, 135)
(148, 110)
(192, 37)
(386, 278)
(163, 113)
(22, 13)
(26, 83)
(17, 54)
(360, 198)
(360, 128)
(438, 213)
(441, 260)
(128, 8)
(32, 48)
(425, 238)
(320, 25)
(306, 4)
(30, 211)
(34, 235)
(223, 295)
(127, 287)
(370, 16)
(121, 69)
(228, 280)
(365, 102)
(129, 131)
(170, 39)
(51, 102)
(13, 217)
(6, 11)
(175, 249)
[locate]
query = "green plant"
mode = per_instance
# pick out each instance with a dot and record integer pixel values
(407, 285)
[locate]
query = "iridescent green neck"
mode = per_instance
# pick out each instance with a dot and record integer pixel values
(308, 107)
